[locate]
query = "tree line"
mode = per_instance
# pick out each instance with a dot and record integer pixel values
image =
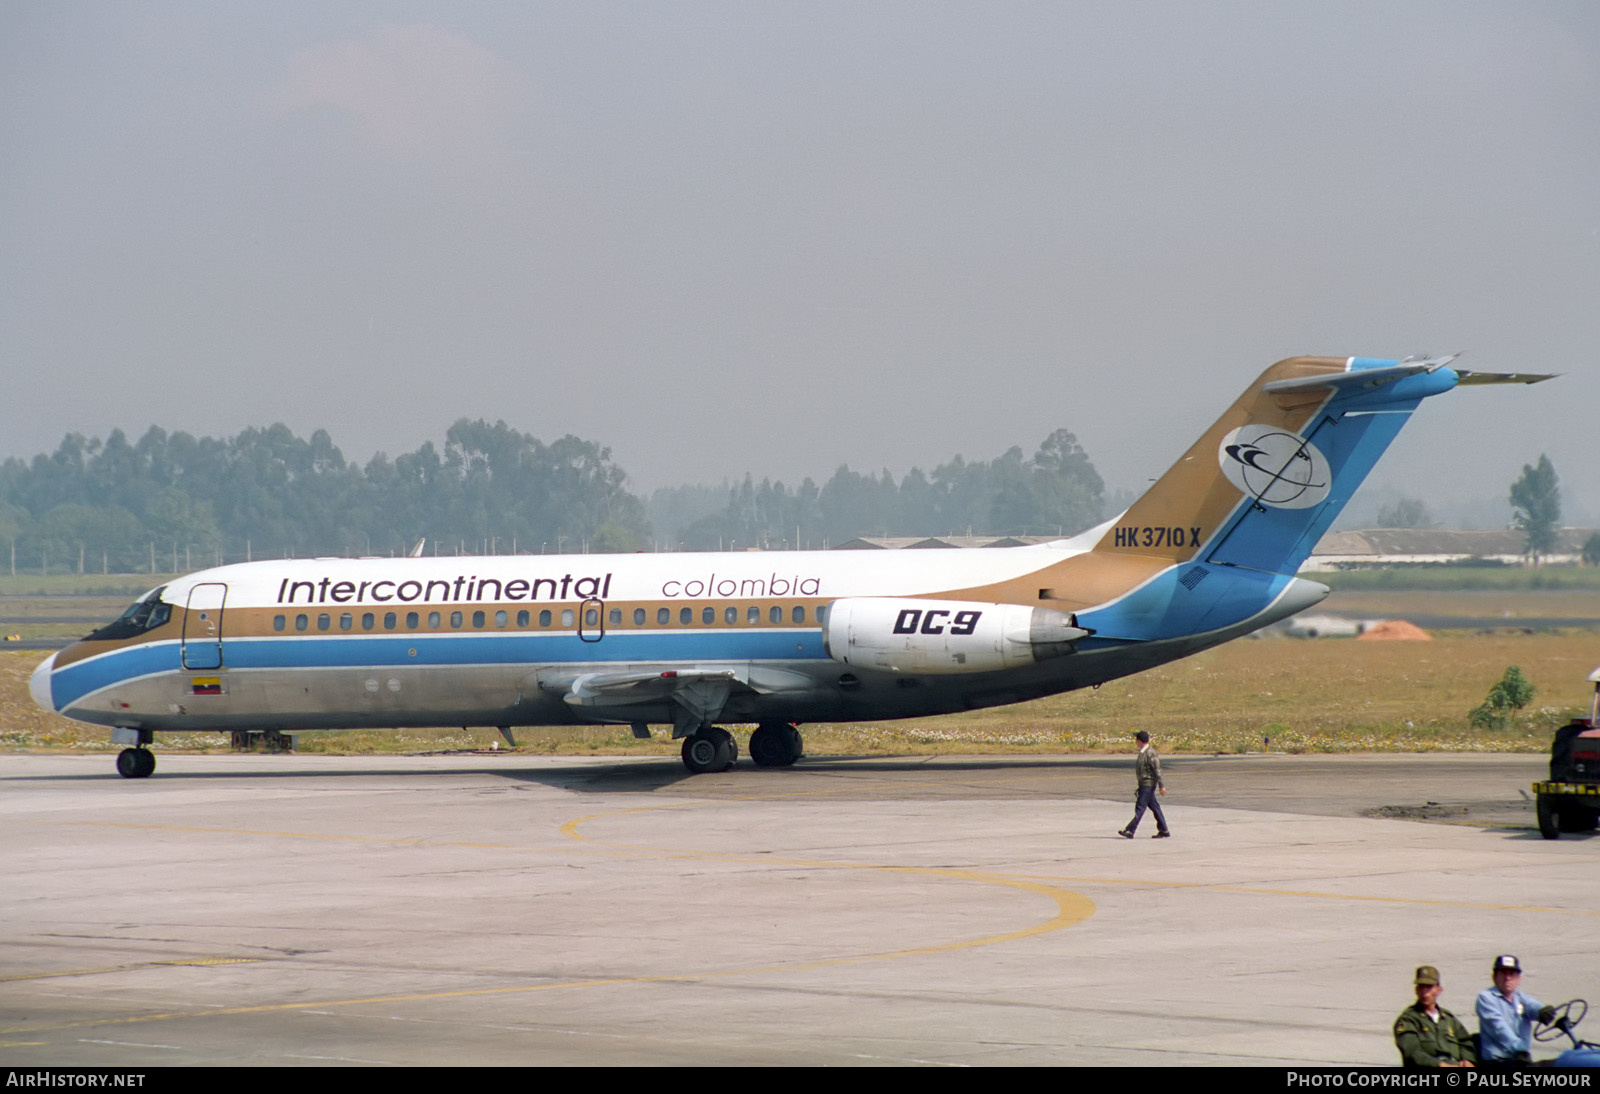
(171, 501)
(1055, 492)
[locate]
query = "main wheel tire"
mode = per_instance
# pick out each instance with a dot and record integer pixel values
(701, 754)
(726, 744)
(775, 745)
(147, 762)
(1548, 826)
(766, 747)
(797, 746)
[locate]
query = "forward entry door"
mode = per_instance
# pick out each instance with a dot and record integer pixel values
(202, 627)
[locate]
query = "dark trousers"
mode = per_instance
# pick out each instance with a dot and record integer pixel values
(1147, 800)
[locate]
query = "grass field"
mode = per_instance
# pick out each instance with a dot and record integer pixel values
(1328, 695)
(1510, 605)
(1456, 578)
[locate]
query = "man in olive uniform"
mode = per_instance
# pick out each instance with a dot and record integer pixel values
(1426, 1034)
(1147, 768)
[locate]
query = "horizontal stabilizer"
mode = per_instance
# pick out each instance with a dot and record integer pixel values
(1465, 377)
(1356, 379)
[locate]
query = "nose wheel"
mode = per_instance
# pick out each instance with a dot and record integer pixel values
(136, 763)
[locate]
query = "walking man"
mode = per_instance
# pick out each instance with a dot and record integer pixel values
(1148, 769)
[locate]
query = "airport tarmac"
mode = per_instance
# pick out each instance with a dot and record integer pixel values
(508, 909)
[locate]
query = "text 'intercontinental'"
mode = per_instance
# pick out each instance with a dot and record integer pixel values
(465, 588)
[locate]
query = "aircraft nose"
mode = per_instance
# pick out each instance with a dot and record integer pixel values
(39, 683)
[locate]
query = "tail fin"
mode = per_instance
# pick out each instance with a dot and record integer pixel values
(1267, 480)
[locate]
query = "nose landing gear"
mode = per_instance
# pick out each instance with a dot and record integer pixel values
(136, 763)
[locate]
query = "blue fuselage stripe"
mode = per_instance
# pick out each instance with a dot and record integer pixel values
(72, 683)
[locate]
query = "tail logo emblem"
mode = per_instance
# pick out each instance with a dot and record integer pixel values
(1277, 468)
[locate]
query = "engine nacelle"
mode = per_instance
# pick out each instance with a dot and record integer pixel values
(944, 636)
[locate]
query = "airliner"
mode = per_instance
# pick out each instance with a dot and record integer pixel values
(696, 642)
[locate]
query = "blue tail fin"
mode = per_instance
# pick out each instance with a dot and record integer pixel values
(1267, 480)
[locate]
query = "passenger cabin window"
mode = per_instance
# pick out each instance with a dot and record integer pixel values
(708, 615)
(301, 622)
(638, 617)
(614, 617)
(775, 615)
(455, 619)
(389, 620)
(477, 619)
(324, 621)
(279, 622)
(368, 621)
(730, 614)
(567, 617)
(434, 619)
(686, 616)
(753, 615)
(500, 618)
(346, 621)
(663, 615)
(523, 617)
(412, 619)
(544, 618)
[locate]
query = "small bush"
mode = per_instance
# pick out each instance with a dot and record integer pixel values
(1512, 693)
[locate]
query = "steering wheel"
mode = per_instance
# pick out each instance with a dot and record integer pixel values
(1567, 1015)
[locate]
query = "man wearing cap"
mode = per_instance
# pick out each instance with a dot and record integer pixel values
(1148, 770)
(1506, 1016)
(1426, 1034)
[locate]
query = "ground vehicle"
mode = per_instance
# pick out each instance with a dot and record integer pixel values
(1569, 801)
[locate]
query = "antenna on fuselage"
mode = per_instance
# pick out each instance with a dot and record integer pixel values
(416, 552)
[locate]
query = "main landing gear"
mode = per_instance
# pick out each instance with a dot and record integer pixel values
(775, 744)
(708, 749)
(136, 763)
(711, 748)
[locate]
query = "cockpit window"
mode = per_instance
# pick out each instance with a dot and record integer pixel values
(143, 615)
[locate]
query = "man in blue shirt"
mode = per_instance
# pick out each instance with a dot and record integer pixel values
(1506, 1017)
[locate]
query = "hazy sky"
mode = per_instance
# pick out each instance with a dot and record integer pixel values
(778, 237)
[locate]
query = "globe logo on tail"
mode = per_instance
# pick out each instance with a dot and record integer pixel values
(1276, 467)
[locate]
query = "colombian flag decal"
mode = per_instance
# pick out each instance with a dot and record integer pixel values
(206, 685)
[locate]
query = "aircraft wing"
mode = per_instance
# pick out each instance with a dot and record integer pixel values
(620, 688)
(609, 689)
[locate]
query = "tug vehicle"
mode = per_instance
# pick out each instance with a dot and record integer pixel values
(1569, 801)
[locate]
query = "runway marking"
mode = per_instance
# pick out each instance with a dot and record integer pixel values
(1316, 895)
(136, 967)
(1071, 908)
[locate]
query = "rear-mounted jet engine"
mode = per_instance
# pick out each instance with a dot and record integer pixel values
(945, 636)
